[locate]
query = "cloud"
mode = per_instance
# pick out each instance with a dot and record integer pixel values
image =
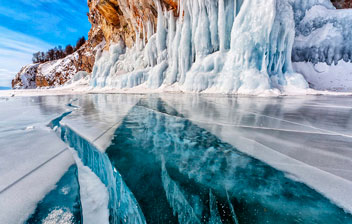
(38, 3)
(55, 21)
(16, 50)
(13, 14)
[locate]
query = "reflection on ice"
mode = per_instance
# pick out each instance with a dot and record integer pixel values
(177, 200)
(200, 168)
(306, 137)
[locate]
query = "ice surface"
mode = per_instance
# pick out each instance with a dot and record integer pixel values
(32, 160)
(200, 168)
(296, 132)
(95, 117)
(199, 158)
(122, 205)
(177, 200)
(25, 129)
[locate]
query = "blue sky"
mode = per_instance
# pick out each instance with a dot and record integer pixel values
(27, 26)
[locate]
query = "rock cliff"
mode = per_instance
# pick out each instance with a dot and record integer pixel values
(121, 19)
(58, 72)
(112, 21)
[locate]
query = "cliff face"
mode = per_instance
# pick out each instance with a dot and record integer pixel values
(121, 19)
(112, 21)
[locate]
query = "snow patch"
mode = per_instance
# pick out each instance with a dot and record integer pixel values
(324, 77)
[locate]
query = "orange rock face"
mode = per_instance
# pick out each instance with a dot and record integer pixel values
(121, 19)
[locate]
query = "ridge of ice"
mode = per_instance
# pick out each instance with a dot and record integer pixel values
(94, 195)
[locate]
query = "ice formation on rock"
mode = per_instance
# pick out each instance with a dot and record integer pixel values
(323, 33)
(322, 51)
(226, 46)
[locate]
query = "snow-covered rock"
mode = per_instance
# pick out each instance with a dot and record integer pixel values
(26, 78)
(58, 72)
(51, 73)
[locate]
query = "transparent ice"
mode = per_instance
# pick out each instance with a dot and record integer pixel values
(176, 158)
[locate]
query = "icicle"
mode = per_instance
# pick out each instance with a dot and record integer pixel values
(222, 25)
(144, 35)
(171, 74)
(212, 9)
(150, 29)
(202, 33)
(185, 47)
(138, 39)
(161, 31)
(171, 32)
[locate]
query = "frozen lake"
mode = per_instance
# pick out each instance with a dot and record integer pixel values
(175, 158)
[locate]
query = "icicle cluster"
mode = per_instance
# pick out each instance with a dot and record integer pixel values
(323, 33)
(224, 46)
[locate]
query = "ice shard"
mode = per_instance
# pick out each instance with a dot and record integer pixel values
(122, 205)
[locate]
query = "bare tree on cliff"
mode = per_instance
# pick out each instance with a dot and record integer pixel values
(42, 57)
(36, 57)
(80, 42)
(50, 55)
(39, 57)
(59, 53)
(69, 50)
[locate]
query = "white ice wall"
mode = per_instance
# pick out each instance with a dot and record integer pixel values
(222, 46)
